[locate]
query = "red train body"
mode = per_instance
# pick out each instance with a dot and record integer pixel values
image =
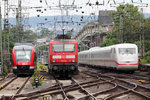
(63, 57)
(24, 59)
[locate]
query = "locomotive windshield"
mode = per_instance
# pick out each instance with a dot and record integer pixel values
(23, 55)
(127, 50)
(67, 47)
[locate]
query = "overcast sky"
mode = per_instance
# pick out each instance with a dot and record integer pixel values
(49, 7)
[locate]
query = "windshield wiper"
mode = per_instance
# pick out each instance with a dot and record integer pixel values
(24, 51)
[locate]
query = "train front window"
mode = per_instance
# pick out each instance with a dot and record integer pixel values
(68, 47)
(57, 47)
(127, 51)
(23, 55)
(63, 47)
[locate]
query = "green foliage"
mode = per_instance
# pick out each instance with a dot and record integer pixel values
(143, 61)
(147, 29)
(109, 42)
(131, 27)
(45, 32)
(147, 45)
(5, 36)
(41, 67)
(5, 70)
(24, 36)
(147, 58)
(36, 75)
(42, 48)
(111, 39)
(147, 53)
(29, 35)
(130, 21)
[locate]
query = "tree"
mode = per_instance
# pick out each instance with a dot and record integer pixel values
(27, 35)
(7, 53)
(129, 16)
(30, 36)
(70, 33)
(45, 32)
(111, 39)
(134, 26)
(130, 21)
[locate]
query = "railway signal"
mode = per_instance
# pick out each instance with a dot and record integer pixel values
(36, 80)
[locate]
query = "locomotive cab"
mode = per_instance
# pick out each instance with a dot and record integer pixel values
(127, 57)
(24, 59)
(63, 57)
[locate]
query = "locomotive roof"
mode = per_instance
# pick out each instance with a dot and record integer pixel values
(29, 44)
(94, 48)
(122, 45)
(63, 40)
(23, 47)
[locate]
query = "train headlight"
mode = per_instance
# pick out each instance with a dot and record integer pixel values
(70, 56)
(56, 57)
(73, 60)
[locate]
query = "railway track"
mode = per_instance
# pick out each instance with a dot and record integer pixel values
(65, 91)
(13, 87)
(20, 89)
(144, 78)
(123, 89)
(9, 82)
(8, 76)
(90, 85)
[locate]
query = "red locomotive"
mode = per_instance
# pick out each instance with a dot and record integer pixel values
(24, 58)
(63, 57)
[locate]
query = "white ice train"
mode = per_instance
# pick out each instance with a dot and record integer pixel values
(121, 57)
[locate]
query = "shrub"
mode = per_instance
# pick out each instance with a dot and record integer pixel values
(36, 75)
(147, 59)
(5, 70)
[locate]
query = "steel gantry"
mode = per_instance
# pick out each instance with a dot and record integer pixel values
(88, 33)
(1, 44)
(6, 53)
